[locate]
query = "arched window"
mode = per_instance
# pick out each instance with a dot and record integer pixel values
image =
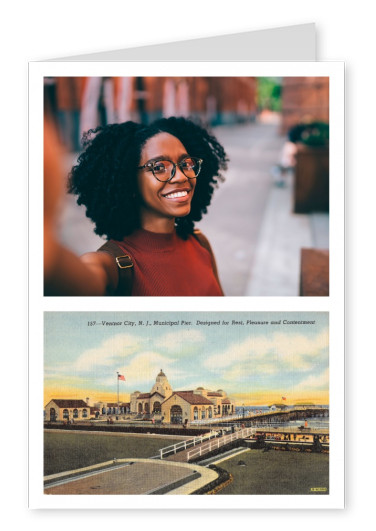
(52, 413)
(176, 415)
(84, 413)
(75, 413)
(210, 412)
(203, 413)
(65, 414)
(195, 413)
(156, 407)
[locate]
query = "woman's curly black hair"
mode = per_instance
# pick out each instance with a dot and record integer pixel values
(105, 176)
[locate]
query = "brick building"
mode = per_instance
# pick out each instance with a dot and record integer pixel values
(304, 100)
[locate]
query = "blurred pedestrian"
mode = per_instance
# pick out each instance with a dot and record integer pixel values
(68, 101)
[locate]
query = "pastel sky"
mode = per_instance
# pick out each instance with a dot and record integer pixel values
(254, 363)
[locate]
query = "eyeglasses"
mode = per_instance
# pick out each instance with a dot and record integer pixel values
(165, 170)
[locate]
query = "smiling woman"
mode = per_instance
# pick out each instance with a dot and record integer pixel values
(144, 187)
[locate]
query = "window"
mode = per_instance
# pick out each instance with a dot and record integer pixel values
(156, 407)
(176, 415)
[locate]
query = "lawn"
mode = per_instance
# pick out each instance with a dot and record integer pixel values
(72, 450)
(277, 472)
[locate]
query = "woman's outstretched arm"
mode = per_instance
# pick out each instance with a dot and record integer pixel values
(64, 272)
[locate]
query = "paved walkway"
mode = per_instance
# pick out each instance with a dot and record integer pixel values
(276, 265)
(132, 476)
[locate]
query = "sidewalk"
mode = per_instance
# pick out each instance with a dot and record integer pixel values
(256, 237)
(132, 476)
(276, 266)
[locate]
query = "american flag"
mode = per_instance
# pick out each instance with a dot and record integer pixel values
(121, 377)
(283, 398)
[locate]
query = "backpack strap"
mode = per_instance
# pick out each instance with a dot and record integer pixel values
(204, 242)
(125, 268)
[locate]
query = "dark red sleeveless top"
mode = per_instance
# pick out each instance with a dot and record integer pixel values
(166, 265)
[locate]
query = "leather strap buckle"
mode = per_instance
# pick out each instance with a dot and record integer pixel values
(128, 261)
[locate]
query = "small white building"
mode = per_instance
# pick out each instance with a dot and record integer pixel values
(66, 409)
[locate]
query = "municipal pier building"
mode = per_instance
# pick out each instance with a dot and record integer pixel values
(177, 407)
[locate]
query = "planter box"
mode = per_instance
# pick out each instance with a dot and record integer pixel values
(311, 186)
(314, 273)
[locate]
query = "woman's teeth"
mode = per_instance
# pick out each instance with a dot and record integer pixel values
(176, 194)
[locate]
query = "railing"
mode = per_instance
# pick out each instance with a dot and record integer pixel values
(174, 448)
(214, 420)
(247, 415)
(214, 445)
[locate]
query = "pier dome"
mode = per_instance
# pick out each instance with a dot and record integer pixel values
(162, 385)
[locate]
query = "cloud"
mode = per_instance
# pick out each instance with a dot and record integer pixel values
(286, 351)
(299, 345)
(142, 370)
(235, 353)
(114, 349)
(182, 342)
(320, 381)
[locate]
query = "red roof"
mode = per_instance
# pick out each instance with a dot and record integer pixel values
(193, 398)
(67, 403)
(226, 401)
(144, 395)
(214, 394)
(156, 393)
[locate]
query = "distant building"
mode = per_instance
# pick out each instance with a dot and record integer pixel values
(65, 409)
(61, 409)
(112, 408)
(181, 406)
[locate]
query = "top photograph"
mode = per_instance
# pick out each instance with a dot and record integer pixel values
(186, 186)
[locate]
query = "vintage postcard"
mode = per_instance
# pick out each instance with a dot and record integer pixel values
(187, 403)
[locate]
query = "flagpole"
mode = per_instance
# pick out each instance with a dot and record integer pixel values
(117, 387)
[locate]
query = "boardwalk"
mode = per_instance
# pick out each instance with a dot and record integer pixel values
(207, 446)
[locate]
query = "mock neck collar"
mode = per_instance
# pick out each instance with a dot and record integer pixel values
(153, 241)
